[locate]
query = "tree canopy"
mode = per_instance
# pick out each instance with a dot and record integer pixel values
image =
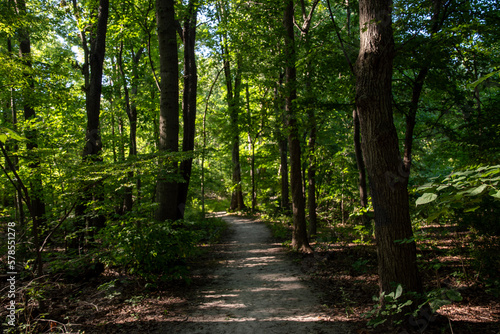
(123, 123)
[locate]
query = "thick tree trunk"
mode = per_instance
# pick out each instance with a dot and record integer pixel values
(189, 101)
(396, 261)
(299, 236)
(93, 146)
(167, 189)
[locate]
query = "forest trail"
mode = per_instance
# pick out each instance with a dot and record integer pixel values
(258, 290)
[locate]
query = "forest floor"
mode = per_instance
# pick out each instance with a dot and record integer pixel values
(249, 283)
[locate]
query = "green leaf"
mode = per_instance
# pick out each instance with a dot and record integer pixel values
(6, 133)
(399, 291)
(496, 195)
(481, 79)
(478, 190)
(426, 198)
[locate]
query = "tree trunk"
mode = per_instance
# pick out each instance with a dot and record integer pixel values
(363, 191)
(417, 91)
(283, 148)
(311, 190)
(396, 261)
(251, 141)
(93, 146)
(166, 188)
(131, 110)
(299, 236)
(233, 98)
(12, 105)
(37, 210)
(189, 101)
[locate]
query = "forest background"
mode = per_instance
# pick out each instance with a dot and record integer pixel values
(123, 123)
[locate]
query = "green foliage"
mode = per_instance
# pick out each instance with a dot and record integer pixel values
(441, 297)
(73, 267)
(6, 133)
(280, 226)
(471, 196)
(395, 306)
(388, 307)
(365, 233)
(158, 250)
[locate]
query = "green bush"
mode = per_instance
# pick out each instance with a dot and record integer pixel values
(158, 250)
(470, 197)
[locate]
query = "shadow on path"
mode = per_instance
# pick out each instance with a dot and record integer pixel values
(257, 290)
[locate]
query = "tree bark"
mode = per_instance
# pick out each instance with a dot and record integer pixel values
(93, 146)
(233, 98)
(12, 106)
(283, 148)
(251, 141)
(360, 163)
(311, 190)
(37, 209)
(166, 188)
(189, 101)
(418, 85)
(299, 236)
(396, 261)
(131, 110)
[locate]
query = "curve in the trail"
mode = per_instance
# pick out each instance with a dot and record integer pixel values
(257, 290)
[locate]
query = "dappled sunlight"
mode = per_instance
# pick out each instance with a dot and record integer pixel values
(256, 284)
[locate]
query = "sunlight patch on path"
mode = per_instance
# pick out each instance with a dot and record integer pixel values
(256, 290)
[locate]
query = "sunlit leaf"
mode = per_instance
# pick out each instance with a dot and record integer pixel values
(478, 190)
(426, 198)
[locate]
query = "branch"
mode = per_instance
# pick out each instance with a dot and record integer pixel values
(351, 66)
(151, 62)
(61, 220)
(26, 196)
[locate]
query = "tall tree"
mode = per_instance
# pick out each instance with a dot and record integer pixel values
(374, 66)
(360, 164)
(439, 14)
(232, 76)
(93, 88)
(311, 145)
(37, 209)
(92, 69)
(299, 236)
(166, 187)
(188, 35)
(283, 147)
(131, 110)
(233, 93)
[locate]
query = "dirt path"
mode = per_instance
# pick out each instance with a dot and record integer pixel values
(257, 290)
